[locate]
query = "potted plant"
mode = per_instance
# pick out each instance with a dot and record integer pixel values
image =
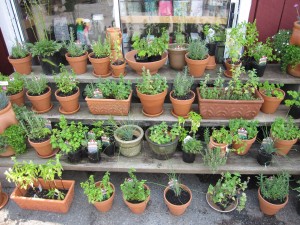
(3, 197)
(109, 97)
(47, 52)
(238, 100)
(7, 115)
(152, 91)
(148, 53)
(296, 29)
(77, 55)
(163, 140)
(190, 148)
(291, 60)
(101, 193)
(14, 89)
(272, 95)
(182, 97)
(38, 93)
(136, 194)
(69, 138)
(177, 51)
(177, 196)
(92, 147)
(266, 149)
(228, 194)
(118, 64)
(273, 192)
(100, 58)
(197, 57)
(37, 188)
(68, 91)
(220, 138)
(243, 133)
(20, 59)
(12, 141)
(294, 104)
(285, 133)
(280, 41)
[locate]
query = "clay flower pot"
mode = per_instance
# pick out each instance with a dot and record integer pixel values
(295, 38)
(211, 65)
(7, 117)
(8, 152)
(196, 67)
(41, 103)
(114, 34)
(269, 208)
(153, 67)
(178, 210)
(138, 208)
(270, 104)
(101, 66)
(50, 205)
(284, 146)
(22, 66)
(44, 149)
(229, 67)
(106, 205)
(246, 144)
(68, 104)
(177, 56)
(214, 206)
(223, 146)
(18, 98)
(294, 71)
(3, 197)
(118, 70)
(181, 107)
(152, 104)
(78, 64)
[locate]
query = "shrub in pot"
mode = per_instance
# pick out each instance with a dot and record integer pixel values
(197, 57)
(67, 92)
(294, 104)
(285, 133)
(101, 193)
(163, 140)
(152, 91)
(177, 51)
(244, 134)
(136, 194)
(220, 138)
(109, 97)
(228, 194)
(7, 115)
(272, 95)
(20, 59)
(290, 62)
(182, 97)
(37, 188)
(38, 93)
(273, 192)
(118, 63)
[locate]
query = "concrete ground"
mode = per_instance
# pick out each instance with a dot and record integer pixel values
(81, 212)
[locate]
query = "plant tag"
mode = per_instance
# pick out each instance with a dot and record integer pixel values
(35, 196)
(242, 133)
(103, 191)
(105, 140)
(92, 146)
(3, 83)
(40, 187)
(187, 138)
(98, 93)
(91, 135)
(48, 124)
(263, 60)
(194, 36)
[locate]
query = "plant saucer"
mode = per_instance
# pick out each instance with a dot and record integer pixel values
(105, 75)
(5, 200)
(68, 113)
(152, 115)
(173, 113)
(226, 75)
(44, 111)
(55, 151)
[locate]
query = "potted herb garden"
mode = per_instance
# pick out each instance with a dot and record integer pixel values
(20, 59)
(15, 89)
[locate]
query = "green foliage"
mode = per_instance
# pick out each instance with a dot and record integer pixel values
(133, 189)
(280, 41)
(192, 146)
(151, 85)
(285, 129)
(44, 48)
(249, 125)
(260, 50)
(229, 188)
(3, 100)
(99, 192)
(218, 33)
(36, 85)
(291, 57)
(126, 132)
(75, 50)
(197, 50)
(274, 188)
(66, 81)
(19, 51)
(179, 38)
(13, 136)
(295, 98)
(101, 49)
(251, 37)
(270, 89)
(162, 134)
(54, 192)
(174, 184)
(15, 83)
(222, 136)
(182, 84)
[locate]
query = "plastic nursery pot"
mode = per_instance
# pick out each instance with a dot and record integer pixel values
(18, 98)
(270, 104)
(263, 158)
(74, 157)
(50, 64)
(216, 207)
(246, 144)
(294, 112)
(94, 157)
(109, 149)
(68, 104)
(188, 157)
(106, 205)
(260, 69)
(23, 65)
(78, 64)
(7, 117)
(181, 107)
(138, 208)
(41, 103)
(196, 67)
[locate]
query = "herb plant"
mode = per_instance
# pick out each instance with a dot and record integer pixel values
(101, 49)
(19, 51)
(262, 50)
(66, 81)
(197, 50)
(221, 136)
(182, 84)
(13, 136)
(174, 184)
(15, 83)
(271, 90)
(44, 48)
(295, 99)
(280, 42)
(249, 125)
(285, 129)
(192, 146)
(75, 50)
(179, 39)
(37, 85)
(3, 100)
(291, 57)
(162, 134)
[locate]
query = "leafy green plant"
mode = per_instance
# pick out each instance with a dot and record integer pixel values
(19, 51)
(262, 50)
(66, 81)
(179, 39)
(192, 146)
(221, 136)
(271, 90)
(251, 37)
(101, 49)
(151, 85)
(280, 41)
(37, 85)
(249, 125)
(182, 84)
(44, 47)
(295, 99)
(133, 189)
(15, 83)
(291, 57)
(55, 193)
(197, 50)
(162, 134)
(126, 132)
(97, 192)
(229, 188)
(75, 50)
(285, 129)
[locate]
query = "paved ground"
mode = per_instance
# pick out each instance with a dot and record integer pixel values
(156, 213)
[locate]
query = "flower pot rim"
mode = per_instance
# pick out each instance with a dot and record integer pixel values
(182, 48)
(151, 95)
(186, 188)
(38, 143)
(23, 90)
(262, 92)
(109, 99)
(92, 53)
(196, 60)
(113, 194)
(138, 139)
(183, 100)
(161, 145)
(20, 60)
(67, 55)
(49, 90)
(64, 97)
(164, 56)
(282, 204)
(145, 201)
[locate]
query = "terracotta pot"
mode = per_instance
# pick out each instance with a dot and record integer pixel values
(101, 66)
(50, 205)
(109, 106)
(118, 70)
(152, 104)
(138, 208)
(78, 64)
(229, 109)
(284, 146)
(223, 146)
(68, 104)
(178, 210)
(3, 197)
(43, 149)
(295, 38)
(18, 98)
(7, 117)
(269, 208)
(114, 34)
(41, 103)
(181, 107)
(106, 205)
(229, 67)
(294, 71)
(22, 66)
(8, 152)
(270, 104)
(211, 65)
(214, 206)
(177, 56)
(246, 144)
(153, 67)
(196, 67)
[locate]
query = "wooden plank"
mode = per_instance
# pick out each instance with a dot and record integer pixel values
(289, 15)
(146, 163)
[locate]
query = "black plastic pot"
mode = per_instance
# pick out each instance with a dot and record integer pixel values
(263, 158)
(109, 149)
(298, 206)
(211, 48)
(220, 52)
(295, 112)
(94, 157)
(74, 157)
(188, 157)
(247, 63)
(260, 69)
(50, 64)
